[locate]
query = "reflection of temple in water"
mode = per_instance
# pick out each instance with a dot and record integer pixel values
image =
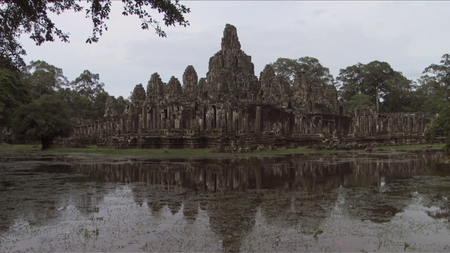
(295, 174)
(233, 196)
(232, 218)
(308, 177)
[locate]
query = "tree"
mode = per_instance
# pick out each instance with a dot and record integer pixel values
(377, 80)
(13, 93)
(351, 81)
(440, 126)
(315, 73)
(122, 103)
(88, 84)
(399, 96)
(359, 101)
(32, 17)
(43, 78)
(429, 97)
(286, 68)
(88, 98)
(98, 105)
(432, 93)
(78, 106)
(441, 74)
(43, 119)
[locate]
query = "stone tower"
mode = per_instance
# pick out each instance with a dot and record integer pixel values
(274, 89)
(155, 89)
(173, 89)
(190, 81)
(231, 75)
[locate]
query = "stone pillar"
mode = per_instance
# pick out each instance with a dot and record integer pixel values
(122, 126)
(320, 127)
(153, 118)
(258, 120)
(230, 119)
(246, 123)
(144, 117)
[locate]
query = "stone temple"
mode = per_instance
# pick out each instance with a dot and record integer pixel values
(231, 109)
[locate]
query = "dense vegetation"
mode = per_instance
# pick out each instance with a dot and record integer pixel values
(37, 100)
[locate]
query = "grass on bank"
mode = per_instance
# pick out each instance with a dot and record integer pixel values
(191, 153)
(411, 147)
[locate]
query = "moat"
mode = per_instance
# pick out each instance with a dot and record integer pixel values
(327, 202)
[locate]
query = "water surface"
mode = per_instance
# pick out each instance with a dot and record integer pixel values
(365, 202)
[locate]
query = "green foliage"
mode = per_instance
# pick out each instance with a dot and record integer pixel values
(98, 106)
(13, 93)
(43, 78)
(122, 103)
(316, 74)
(441, 74)
(43, 119)
(88, 84)
(440, 126)
(359, 101)
(87, 97)
(388, 89)
(286, 68)
(78, 106)
(432, 94)
(33, 17)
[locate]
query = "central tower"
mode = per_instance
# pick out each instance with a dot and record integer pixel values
(231, 73)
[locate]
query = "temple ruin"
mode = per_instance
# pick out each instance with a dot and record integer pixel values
(231, 109)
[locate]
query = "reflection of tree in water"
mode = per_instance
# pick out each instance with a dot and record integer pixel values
(435, 192)
(383, 189)
(309, 195)
(442, 202)
(40, 198)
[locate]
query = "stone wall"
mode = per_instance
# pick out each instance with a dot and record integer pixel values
(231, 109)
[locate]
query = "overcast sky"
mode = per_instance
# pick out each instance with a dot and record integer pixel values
(409, 35)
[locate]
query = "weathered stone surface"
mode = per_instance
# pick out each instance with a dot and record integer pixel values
(231, 75)
(173, 89)
(230, 40)
(111, 107)
(274, 89)
(202, 89)
(232, 111)
(267, 81)
(190, 81)
(155, 89)
(314, 98)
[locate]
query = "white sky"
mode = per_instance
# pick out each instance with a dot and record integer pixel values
(409, 35)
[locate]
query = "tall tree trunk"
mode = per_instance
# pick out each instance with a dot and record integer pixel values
(378, 101)
(46, 142)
